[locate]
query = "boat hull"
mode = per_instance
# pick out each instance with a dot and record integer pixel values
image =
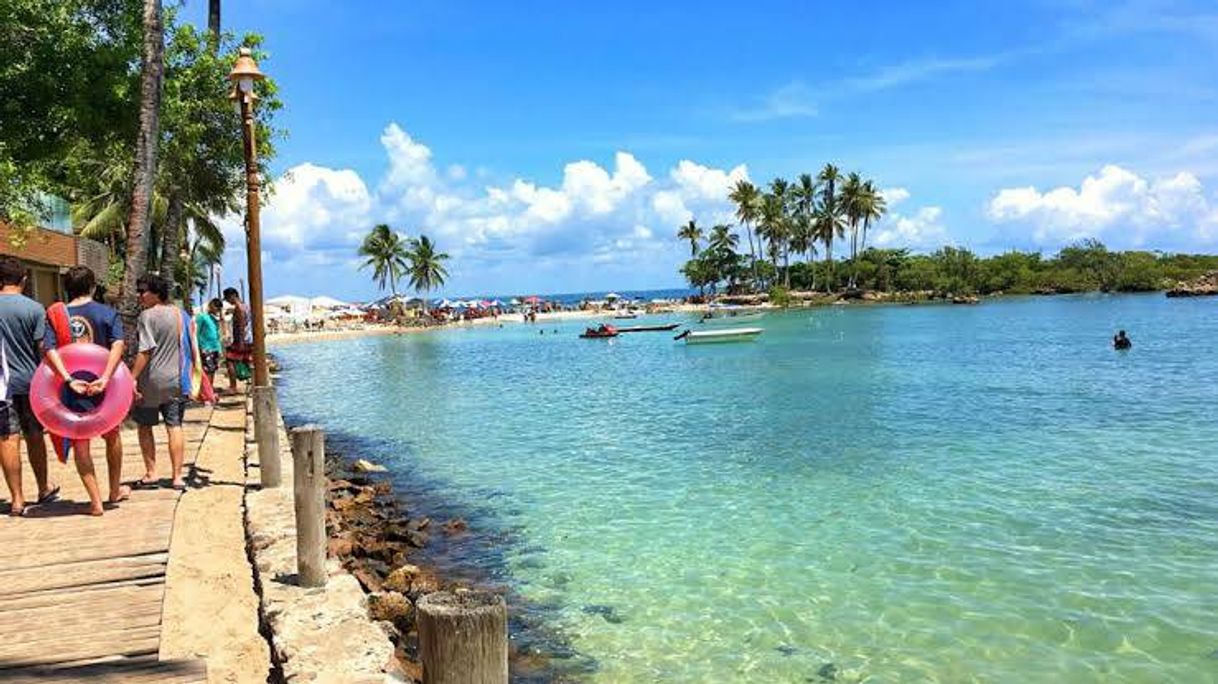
(721, 336)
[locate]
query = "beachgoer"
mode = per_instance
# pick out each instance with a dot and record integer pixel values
(22, 329)
(89, 321)
(207, 327)
(241, 348)
(158, 374)
(1121, 341)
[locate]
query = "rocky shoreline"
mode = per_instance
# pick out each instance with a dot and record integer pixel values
(384, 545)
(1205, 286)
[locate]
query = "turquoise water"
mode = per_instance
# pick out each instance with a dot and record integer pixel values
(887, 494)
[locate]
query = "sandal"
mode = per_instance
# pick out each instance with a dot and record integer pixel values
(49, 496)
(146, 484)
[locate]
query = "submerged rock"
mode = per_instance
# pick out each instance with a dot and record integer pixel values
(827, 672)
(366, 466)
(609, 613)
(786, 649)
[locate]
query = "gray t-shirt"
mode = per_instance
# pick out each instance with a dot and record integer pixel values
(161, 336)
(23, 324)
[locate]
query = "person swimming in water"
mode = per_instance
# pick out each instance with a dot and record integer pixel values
(1121, 342)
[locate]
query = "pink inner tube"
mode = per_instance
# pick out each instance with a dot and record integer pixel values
(62, 413)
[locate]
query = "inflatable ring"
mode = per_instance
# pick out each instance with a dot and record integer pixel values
(63, 412)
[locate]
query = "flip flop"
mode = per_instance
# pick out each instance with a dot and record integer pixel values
(146, 484)
(180, 487)
(49, 496)
(18, 512)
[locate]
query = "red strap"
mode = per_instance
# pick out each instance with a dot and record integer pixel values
(57, 316)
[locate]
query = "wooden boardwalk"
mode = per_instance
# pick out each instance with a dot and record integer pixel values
(81, 597)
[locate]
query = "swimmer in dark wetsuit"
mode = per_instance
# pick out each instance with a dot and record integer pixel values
(1120, 342)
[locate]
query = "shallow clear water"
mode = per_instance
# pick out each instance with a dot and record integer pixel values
(924, 493)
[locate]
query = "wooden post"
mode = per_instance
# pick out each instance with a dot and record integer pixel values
(463, 638)
(309, 492)
(266, 433)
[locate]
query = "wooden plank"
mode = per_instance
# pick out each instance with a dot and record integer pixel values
(69, 599)
(33, 625)
(52, 596)
(78, 574)
(100, 644)
(127, 671)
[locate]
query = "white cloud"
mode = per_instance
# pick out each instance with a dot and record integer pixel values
(894, 196)
(312, 206)
(1115, 205)
(917, 70)
(923, 229)
(791, 101)
(618, 214)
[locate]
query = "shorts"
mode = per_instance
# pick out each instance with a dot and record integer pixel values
(211, 361)
(171, 411)
(16, 417)
(240, 352)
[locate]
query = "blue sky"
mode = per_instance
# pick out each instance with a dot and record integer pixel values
(555, 146)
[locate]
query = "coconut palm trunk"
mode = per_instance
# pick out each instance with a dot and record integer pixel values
(171, 242)
(752, 254)
(139, 224)
(213, 21)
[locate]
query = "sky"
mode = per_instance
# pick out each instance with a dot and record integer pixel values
(558, 146)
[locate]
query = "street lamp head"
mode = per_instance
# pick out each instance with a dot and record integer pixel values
(245, 71)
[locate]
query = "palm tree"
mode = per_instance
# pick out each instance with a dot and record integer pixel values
(387, 253)
(874, 208)
(690, 231)
(748, 209)
(829, 221)
(852, 206)
(426, 270)
(139, 224)
(803, 235)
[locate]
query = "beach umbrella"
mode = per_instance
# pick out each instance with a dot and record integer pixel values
(324, 302)
(613, 295)
(515, 301)
(532, 299)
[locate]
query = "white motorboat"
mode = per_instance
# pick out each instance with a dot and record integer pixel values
(724, 335)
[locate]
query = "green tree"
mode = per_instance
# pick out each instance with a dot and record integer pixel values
(389, 256)
(747, 199)
(690, 231)
(66, 90)
(829, 221)
(426, 270)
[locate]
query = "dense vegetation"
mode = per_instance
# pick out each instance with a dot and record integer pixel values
(811, 215)
(123, 113)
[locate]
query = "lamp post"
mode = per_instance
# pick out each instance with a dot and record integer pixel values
(245, 72)
(266, 411)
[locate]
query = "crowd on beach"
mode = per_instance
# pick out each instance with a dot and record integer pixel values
(169, 339)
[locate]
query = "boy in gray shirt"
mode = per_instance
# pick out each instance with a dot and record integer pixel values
(22, 328)
(158, 373)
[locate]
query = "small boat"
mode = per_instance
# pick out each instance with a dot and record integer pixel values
(725, 335)
(626, 315)
(649, 328)
(599, 333)
(732, 318)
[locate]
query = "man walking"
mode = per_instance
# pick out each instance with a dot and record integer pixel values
(22, 329)
(241, 349)
(158, 371)
(96, 323)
